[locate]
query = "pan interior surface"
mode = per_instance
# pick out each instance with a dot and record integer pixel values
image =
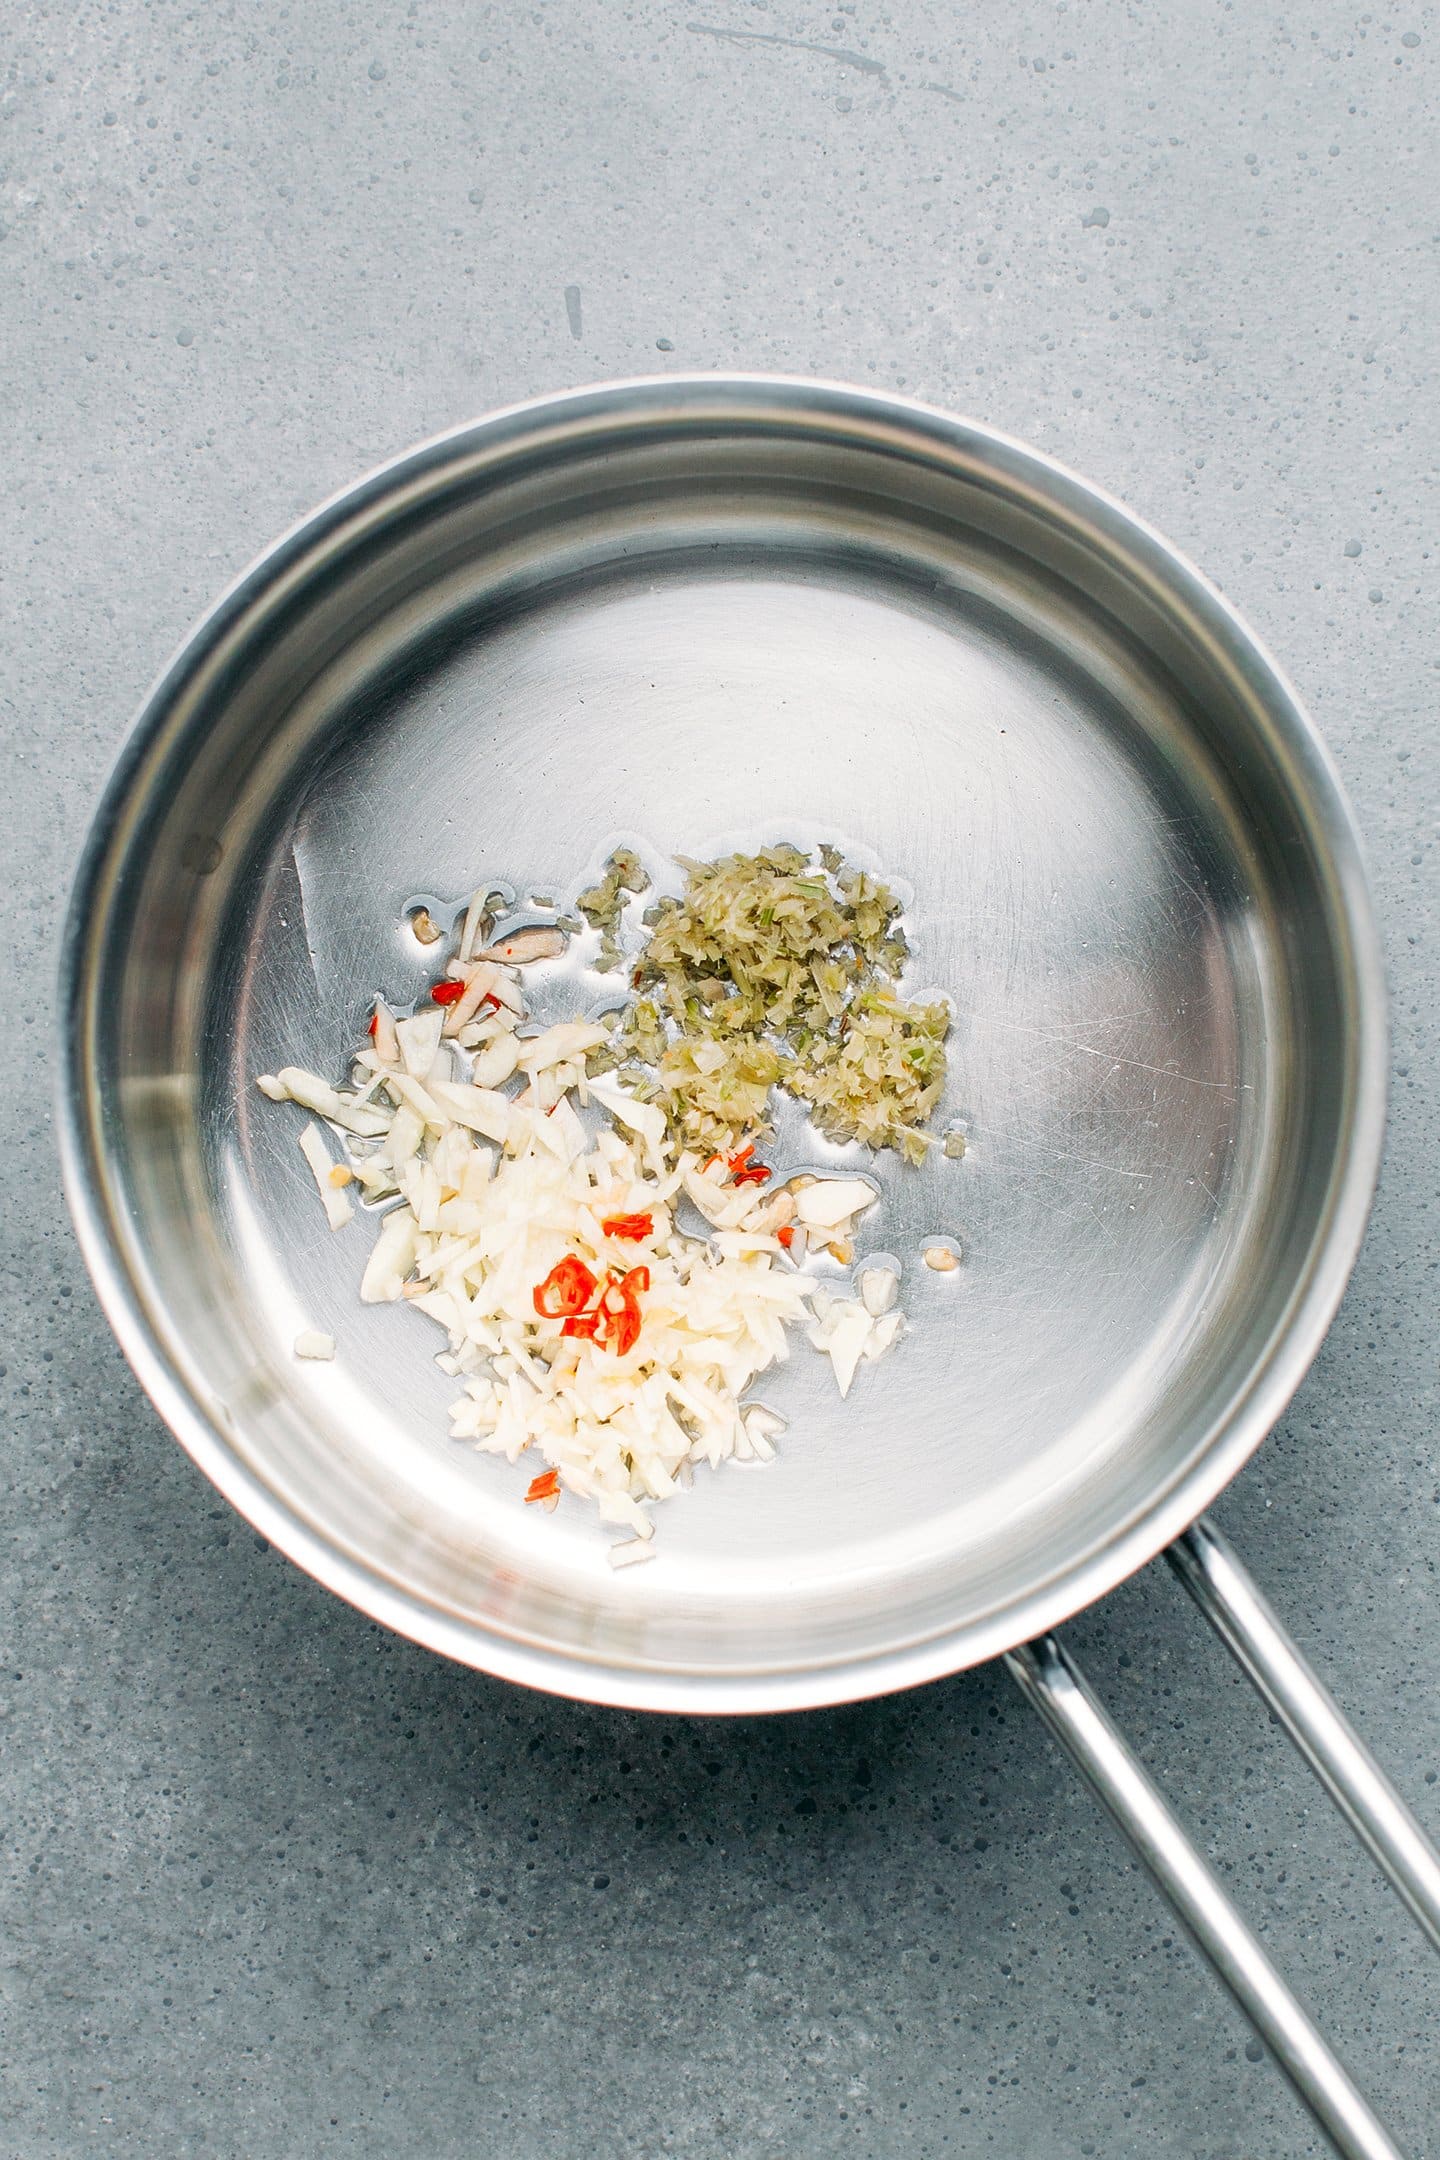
(694, 625)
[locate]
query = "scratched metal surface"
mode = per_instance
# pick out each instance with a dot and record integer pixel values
(694, 618)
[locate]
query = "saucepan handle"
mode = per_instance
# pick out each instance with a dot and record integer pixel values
(1360, 1789)
(1050, 1679)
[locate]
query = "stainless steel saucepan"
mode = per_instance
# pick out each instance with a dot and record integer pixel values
(697, 614)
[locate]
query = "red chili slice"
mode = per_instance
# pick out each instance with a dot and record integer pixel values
(625, 1325)
(625, 1329)
(628, 1226)
(612, 1300)
(616, 1318)
(786, 1236)
(543, 1487)
(613, 1323)
(566, 1289)
(741, 1169)
(374, 1028)
(448, 992)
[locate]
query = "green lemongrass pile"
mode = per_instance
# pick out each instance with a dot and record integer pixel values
(773, 970)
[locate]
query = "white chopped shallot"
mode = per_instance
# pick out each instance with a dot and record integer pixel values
(830, 1203)
(474, 925)
(642, 1118)
(383, 1036)
(495, 1061)
(845, 1340)
(338, 1210)
(847, 1332)
(883, 1334)
(543, 942)
(392, 1256)
(314, 1343)
(762, 1427)
(560, 1045)
(419, 1039)
(480, 981)
(879, 1286)
(761, 1419)
(316, 1095)
(482, 1110)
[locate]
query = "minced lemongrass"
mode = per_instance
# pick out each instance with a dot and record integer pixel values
(603, 904)
(773, 970)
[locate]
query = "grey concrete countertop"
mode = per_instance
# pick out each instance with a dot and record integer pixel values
(277, 1883)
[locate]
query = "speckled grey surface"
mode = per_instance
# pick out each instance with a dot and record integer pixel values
(277, 1883)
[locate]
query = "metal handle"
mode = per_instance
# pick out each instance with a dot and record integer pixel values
(1049, 1678)
(1354, 1780)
